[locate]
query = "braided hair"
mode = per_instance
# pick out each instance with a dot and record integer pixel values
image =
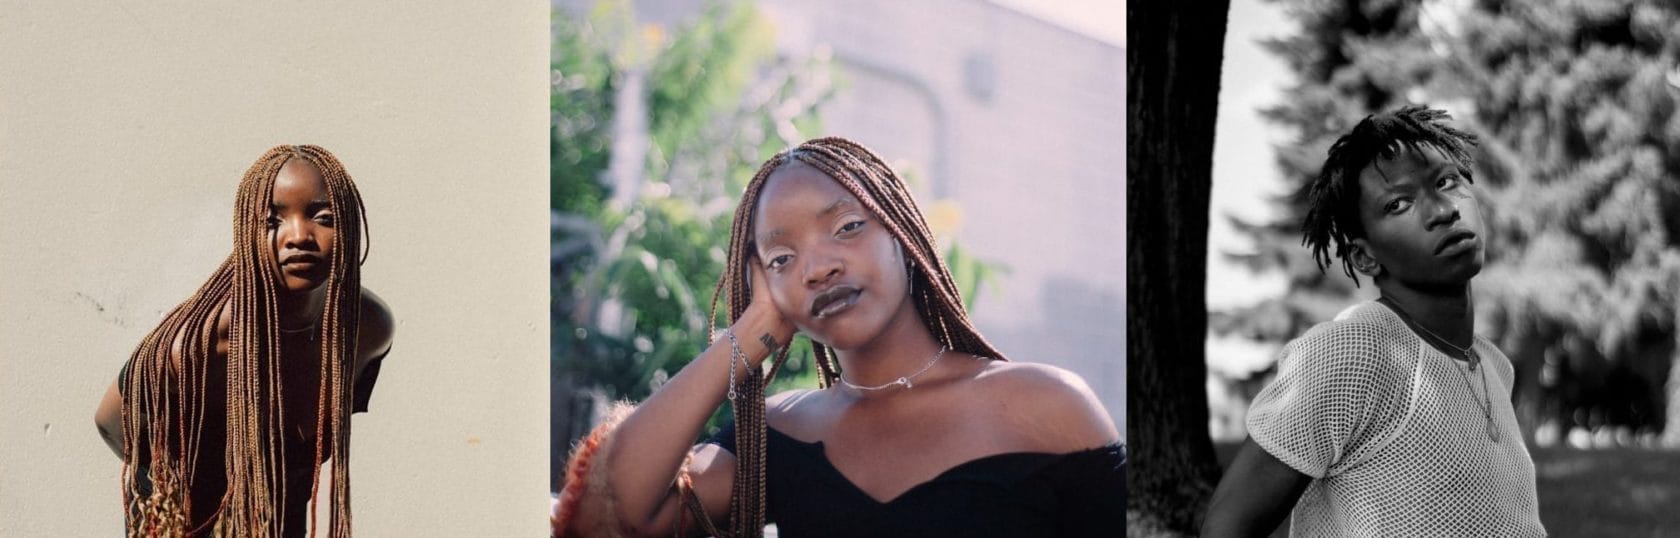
(167, 403)
(934, 293)
(1333, 197)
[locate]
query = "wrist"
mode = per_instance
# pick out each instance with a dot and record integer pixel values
(759, 335)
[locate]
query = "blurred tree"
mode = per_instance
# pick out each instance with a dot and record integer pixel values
(1575, 103)
(638, 240)
(1172, 90)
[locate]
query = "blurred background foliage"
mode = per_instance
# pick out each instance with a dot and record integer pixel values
(656, 132)
(1575, 105)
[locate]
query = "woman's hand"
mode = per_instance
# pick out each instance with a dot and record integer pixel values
(761, 323)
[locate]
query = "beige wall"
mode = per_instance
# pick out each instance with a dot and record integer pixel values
(1018, 121)
(124, 128)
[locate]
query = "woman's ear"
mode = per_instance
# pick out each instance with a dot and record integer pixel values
(909, 267)
(1360, 256)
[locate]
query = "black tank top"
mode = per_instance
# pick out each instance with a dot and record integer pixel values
(1017, 494)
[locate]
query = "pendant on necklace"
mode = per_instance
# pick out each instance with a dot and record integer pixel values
(906, 382)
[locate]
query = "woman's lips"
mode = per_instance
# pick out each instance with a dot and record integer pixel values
(834, 301)
(300, 263)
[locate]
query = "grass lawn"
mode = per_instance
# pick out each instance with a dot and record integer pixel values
(1607, 492)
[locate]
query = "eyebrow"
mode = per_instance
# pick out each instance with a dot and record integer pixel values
(832, 208)
(1392, 186)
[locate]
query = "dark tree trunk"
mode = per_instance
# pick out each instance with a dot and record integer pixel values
(1172, 88)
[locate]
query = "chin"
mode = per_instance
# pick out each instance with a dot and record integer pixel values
(1450, 278)
(1469, 270)
(299, 286)
(843, 336)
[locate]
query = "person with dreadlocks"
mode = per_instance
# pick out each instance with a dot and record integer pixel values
(226, 411)
(1395, 418)
(921, 428)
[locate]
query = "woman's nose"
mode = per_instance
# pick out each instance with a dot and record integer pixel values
(822, 269)
(297, 233)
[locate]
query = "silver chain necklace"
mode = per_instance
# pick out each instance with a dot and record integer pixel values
(1463, 352)
(1485, 403)
(906, 381)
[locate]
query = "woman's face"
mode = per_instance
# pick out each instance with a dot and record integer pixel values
(301, 226)
(834, 269)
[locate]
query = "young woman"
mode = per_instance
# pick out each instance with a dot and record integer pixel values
(1394, 419)
(226, 411)
(921, 427)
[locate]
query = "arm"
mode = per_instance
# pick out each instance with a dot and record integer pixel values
(108, 417)
(1254, 496)
(374, 332)
(649, 447)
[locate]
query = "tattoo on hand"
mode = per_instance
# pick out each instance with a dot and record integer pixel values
(769, 342)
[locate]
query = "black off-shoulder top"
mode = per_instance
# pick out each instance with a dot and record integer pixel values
(1016, 494)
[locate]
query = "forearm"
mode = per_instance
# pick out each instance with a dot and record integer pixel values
(1224, 521)
(1255, 495)
(649, 446)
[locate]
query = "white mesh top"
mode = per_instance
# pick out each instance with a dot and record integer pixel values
(1394, 434)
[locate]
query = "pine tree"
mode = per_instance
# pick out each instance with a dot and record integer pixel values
(1575, 102)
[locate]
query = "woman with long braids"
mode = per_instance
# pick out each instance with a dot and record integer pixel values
(920, 427)
(226, 411)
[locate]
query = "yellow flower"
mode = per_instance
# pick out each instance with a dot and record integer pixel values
(944, 218)
(653, 36)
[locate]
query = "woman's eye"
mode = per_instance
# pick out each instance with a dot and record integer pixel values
(1447, 182)
(851, 226)
(324, 219)
(1397, 206)
(271, 222)
(778, 261)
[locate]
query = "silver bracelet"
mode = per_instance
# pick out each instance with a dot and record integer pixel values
(734, 354)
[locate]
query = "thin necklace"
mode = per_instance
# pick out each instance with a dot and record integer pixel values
(310, 328)
(1485, 403)
(906, 380)
(1462, 351)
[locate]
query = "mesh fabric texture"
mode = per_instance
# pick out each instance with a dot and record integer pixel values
(1395, 435)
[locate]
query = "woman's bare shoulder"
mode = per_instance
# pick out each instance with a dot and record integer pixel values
(1052, 405)
(792, 411)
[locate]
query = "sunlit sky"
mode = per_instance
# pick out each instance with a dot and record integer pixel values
(1102, 19)
(1244, 171)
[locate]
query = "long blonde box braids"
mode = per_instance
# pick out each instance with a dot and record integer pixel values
(166, 401)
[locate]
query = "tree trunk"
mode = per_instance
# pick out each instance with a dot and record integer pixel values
(1671, 401)
(1172, 86)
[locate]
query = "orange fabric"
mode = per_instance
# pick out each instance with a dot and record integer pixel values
(586, 488)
